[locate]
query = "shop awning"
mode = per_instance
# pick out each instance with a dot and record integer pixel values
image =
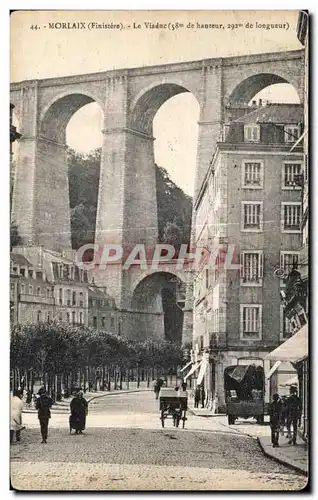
(291, 381)
(294, 349)
(193, 369)
(186, 366)
(202, 371)
(273, 369)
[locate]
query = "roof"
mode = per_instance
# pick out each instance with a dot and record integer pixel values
(294, 349)
(20, 260)
(274, 113)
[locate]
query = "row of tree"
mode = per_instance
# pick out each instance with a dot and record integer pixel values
(63, 356)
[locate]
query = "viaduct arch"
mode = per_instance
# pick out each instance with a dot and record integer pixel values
(129, 98)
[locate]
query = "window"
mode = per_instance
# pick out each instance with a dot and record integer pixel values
(252, 174)
(93, 302)
(68, 297)
(207, 279)
(60, 271)
(252, 268)
(23, 271)
(200, 342)
(103, 321)
(67, 317)
(73, 317)
(112, 321)
(74, 299)
(15, 270)
(61, 296)
(291, 175)
(251, 133)
(251, 321)
(30, 289)
(81, 301)
(291, 133)
(38, 291)
(286, 325)
(48, 292)
(81, 318)
(95, 321)
(290, 217)
(39, 316)
(101, 302)
(252, 216)
(22, 288)
(288, 261)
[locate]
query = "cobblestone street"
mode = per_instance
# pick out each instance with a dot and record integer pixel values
(124, 448)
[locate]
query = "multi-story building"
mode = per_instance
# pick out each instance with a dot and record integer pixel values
(31, 295)
(248, 213)
(102, 313)
(47, 285)
(296, 307)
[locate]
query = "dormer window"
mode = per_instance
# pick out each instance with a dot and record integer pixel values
(251, 132)
(291, 133)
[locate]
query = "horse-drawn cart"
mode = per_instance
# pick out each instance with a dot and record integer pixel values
(174, 405)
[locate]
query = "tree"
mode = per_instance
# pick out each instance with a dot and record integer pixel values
(15, 239)
(174, 207)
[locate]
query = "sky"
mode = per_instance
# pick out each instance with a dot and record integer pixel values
(45, 52)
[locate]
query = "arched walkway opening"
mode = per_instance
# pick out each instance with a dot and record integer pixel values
(259, 90)
(161, 293)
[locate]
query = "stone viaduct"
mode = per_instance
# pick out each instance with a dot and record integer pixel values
(129, 98)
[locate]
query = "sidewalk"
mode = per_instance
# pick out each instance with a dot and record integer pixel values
(64, 405)
(287, 454)
(204, 412)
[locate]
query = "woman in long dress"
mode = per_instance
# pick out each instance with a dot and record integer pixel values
(16, 416)
(79, 410)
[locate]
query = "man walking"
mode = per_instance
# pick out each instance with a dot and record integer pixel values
(275, 409)
(294, 413)
(43, 405)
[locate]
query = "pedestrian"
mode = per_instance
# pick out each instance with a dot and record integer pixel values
(79, 410)
(16, 416)
(43, 405)
(294, 414)
(275, 409)
(283, 415)
(202, 397)
(28, 399)
(157, 387)
(197, 397)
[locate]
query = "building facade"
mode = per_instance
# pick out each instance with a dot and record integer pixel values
(248, 217)
(47, 285)
(296, 300)
(31, 296)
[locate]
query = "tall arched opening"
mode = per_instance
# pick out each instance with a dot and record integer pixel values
(158, 301)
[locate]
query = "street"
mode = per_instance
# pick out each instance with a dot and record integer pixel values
(125, 448)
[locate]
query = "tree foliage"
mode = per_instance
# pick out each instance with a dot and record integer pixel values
(173, 205)
(15, 238)
(57, 349)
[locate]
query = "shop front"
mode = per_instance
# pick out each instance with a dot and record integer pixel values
(295, 351)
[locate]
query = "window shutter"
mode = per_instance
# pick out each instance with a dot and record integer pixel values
(261, 264)
(282, 261)
(242, 270)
